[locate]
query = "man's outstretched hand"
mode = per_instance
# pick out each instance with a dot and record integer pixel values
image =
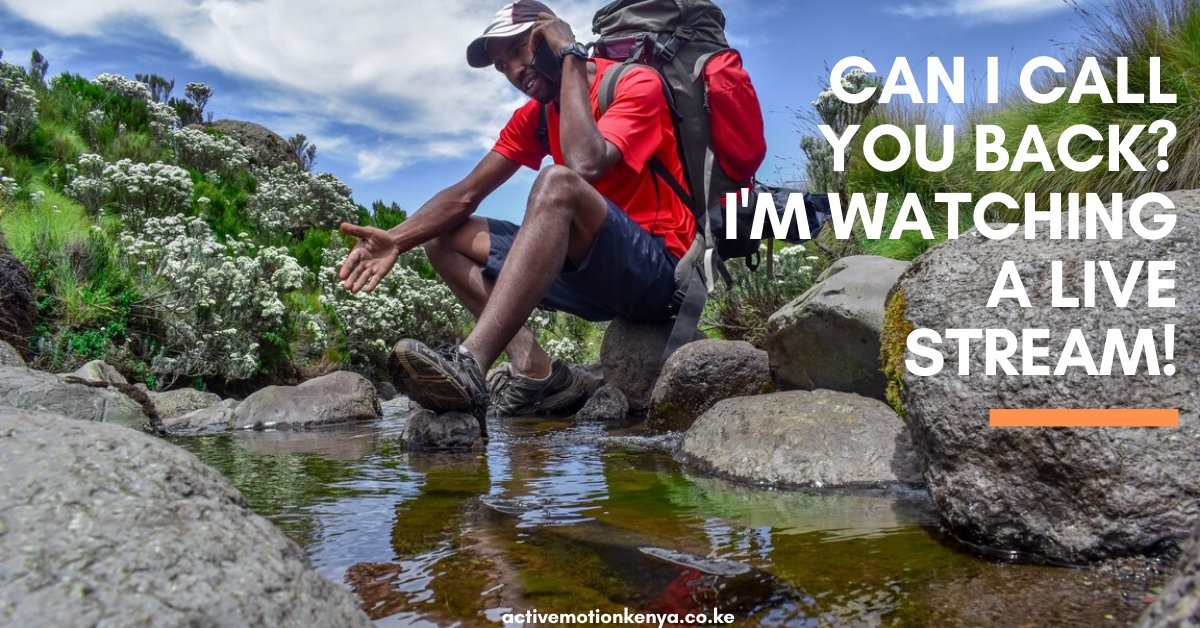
(370, 261)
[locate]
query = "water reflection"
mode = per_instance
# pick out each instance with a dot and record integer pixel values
(566, 518)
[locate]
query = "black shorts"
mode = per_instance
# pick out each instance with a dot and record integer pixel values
(627, 273)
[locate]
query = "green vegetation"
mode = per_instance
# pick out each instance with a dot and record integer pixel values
(146, 250)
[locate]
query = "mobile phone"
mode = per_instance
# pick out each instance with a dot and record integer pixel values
(547, 63)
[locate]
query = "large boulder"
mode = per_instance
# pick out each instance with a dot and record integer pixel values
(631, 354)
(699, 375)
(829, 337)
(427, 431)
(176, 403)
(267, 147)
(34, 390)
(818, 439)
(341, 397)
(1070, 494)
(100, 526)
(1178, 606)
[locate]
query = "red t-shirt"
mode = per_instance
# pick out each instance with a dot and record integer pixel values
(639, 124)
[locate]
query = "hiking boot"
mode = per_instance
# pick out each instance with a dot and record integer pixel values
(517, 395)
(447, 379)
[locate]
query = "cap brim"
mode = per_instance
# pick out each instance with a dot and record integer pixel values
(477, 52)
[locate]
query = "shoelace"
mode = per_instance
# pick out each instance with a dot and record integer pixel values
(453, 354)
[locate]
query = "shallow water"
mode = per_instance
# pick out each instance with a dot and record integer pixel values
(564, 517)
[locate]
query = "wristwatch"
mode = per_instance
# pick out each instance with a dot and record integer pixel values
(576, 49)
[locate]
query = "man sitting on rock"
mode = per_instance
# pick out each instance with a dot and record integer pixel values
(601, 236)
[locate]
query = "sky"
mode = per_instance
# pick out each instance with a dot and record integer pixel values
(384, 91)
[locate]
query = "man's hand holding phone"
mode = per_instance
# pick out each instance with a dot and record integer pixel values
(552, 30)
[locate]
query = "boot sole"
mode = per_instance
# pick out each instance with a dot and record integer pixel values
(426, 384)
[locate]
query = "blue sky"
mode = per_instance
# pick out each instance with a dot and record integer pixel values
(383, 88)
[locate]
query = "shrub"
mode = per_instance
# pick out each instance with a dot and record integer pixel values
(161, 118)
(136, 190)
(204, 151)
(292, 201)
(220, 302)
(742, 313)
(404, 305)
(18, 105)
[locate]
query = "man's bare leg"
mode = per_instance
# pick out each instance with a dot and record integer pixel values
(564, 215)
(459, 258)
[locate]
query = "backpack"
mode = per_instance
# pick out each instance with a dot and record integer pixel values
(718, 119)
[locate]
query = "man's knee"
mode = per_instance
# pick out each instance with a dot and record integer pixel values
(558, 190)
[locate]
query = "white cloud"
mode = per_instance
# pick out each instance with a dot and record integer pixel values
(398, 68)
(983, 10)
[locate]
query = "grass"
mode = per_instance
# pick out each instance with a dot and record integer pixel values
(33, 230)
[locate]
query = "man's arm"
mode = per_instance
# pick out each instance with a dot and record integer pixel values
(584, 148)
(376, 252)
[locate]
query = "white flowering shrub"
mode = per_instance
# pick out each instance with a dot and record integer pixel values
(839, 116)
(221, 299)
(290, 200)
(163, 117)
(136, 190)
(8, 186)
(86, 182)
(206, 152)
(18, 105)
(405, 305)
(564, 336)
(135, 90)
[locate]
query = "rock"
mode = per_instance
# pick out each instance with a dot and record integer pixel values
(214, 419)
(34, 390)
(9, 356)
(631, 355)
(829, 337)
(819, 439)
(427, 431)
(103, 526)
(176, 403)
(592, 376)
(386, 391)
(269, 149)
(608, 405)
(1070, 494)
(1178, 606)
(100, 372)
(341, 397)
(399, 403)
(700, 374)
(18, 300)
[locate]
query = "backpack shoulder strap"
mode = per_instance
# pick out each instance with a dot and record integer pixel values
(608, 83)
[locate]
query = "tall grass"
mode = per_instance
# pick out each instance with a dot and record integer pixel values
(35, 229)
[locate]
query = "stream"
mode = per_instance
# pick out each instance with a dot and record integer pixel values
(560, 516)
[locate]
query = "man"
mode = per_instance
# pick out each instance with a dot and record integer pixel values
(601, 234)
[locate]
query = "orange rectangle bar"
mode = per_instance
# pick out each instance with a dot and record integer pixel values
(1084, 418)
